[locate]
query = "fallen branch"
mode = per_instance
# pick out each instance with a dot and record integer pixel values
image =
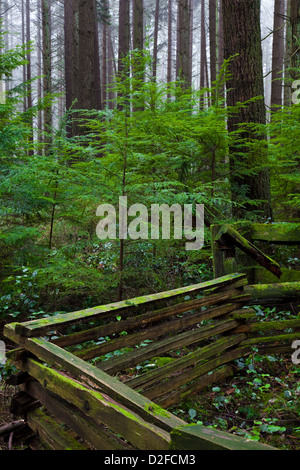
(10, 427)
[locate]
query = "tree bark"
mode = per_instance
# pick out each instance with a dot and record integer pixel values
(213, 40)
(278, 54)
(203, 56)
(295, 52)
(124, 47)
(156, 24)
(169, 66)
(82, 69)
(138, 69)
(249, 175)
(111, 69)
(183, 44)
(71, 49)
(39, 66)
(124, 33)
(104, 54)
(23, 42)
(46, 14)
(221, 90)
(28, 77)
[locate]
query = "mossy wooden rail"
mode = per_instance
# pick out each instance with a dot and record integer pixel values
(81, 369)
(234, 250)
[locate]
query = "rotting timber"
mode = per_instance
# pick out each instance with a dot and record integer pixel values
(66, 371)
(235, 250)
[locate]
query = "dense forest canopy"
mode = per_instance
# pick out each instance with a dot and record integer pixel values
(161, 101)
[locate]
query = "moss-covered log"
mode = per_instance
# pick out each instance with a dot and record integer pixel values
(285, 233)
(228, 235)
(198, 437)
(272, 294)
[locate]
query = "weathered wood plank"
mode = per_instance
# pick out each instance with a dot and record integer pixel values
(218, 254)
(243, 314)
(190, 359)
(229, 234)
(256, 340)
(159, 330)
(99, 380)
(203, 382)
(100, 407)
(198, 437)
(11, 427)
(144, 319)
(99, 437)
(286, 233)
(158, 348)
(50, 432)
(260, 275)
(197, 371)
(267, 326)
(40, 327)
(239, 284)
(271, 294)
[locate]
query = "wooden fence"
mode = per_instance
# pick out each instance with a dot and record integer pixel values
(235, 249)
(103, 378)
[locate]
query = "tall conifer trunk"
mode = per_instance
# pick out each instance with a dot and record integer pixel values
(183, 43)
(82, 69)
(278, 54)
(249, 174)
(46, 12)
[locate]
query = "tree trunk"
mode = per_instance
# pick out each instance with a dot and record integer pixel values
(111, 69)
(203, 56)
(104, 54)
(183, 43)
(278, 54)
(213, 40)
(124, 46)
(295, 53)
(138, 69)
(46, 14)
(191, 7)
(82, 58)
(288, 43)
(28, 77)
(23, 42)
(249, 174)
(39, 66)
(169, 66)
(124, 33)
(71, 51)
(89, 90)
(221, 90)
(156, 24)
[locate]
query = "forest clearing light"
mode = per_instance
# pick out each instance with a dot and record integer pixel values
(184, 221)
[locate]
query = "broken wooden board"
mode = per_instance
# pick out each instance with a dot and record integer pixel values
(228, 235)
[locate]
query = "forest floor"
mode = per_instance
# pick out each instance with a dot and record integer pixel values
(260, 402)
